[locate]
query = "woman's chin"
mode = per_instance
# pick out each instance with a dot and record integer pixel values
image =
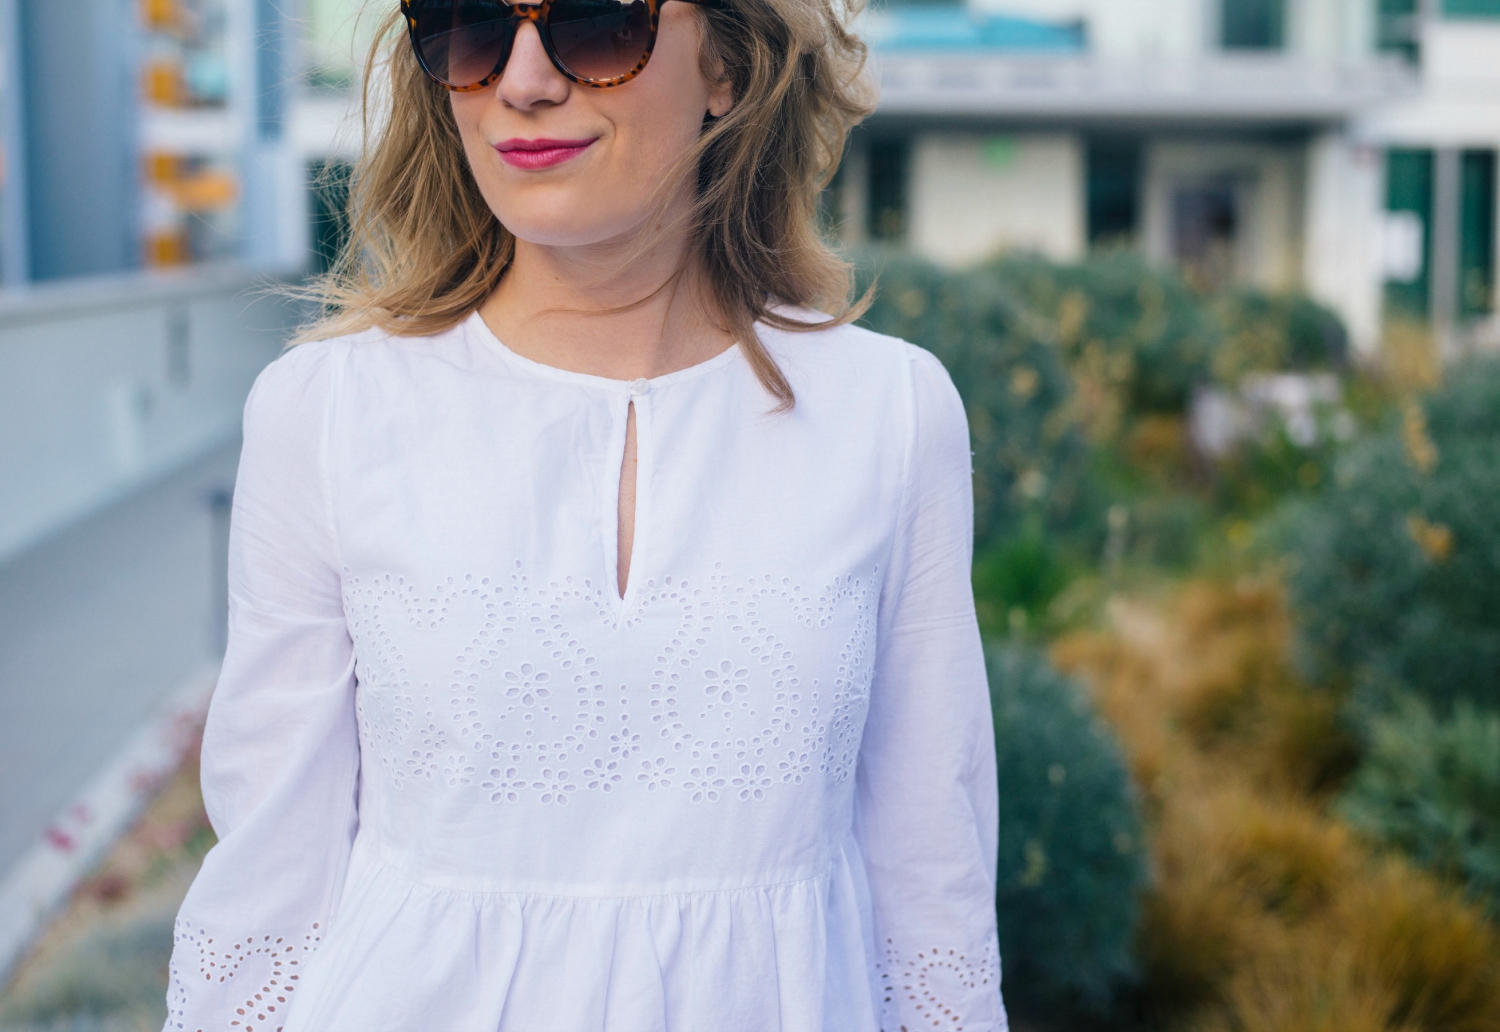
(570, 228)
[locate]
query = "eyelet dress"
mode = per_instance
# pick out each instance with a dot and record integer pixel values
(460, 784)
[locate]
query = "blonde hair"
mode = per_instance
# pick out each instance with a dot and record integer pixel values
(424, 249)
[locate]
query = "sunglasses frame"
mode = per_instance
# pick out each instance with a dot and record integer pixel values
(538, 14)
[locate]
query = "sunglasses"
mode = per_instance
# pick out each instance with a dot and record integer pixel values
(464, 45)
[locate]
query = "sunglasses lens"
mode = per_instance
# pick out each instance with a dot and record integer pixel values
(600, 39)
(462, 41)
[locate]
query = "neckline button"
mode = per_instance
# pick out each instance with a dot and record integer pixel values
(640, 388)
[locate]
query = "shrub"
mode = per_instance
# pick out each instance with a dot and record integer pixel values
(1432, 787)
(1129, 330)
(1071, 857)
(1431, 953)
(1395, 571)
(1016, 579)
(1030, 460)
(1264, 332)
(1266, 913)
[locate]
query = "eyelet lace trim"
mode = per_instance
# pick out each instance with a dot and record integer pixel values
(724, 708)
(265, 968)
(940, 988)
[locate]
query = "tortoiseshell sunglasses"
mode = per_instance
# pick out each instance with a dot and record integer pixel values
(463, 45)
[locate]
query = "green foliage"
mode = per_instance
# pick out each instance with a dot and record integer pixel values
(1432, 787)
(1264, 332)
(1077, 379)
(1017, 578)
(1071, 855)
(1030, 460)
(1395, 572)
(1131, 329)
(1264, 473)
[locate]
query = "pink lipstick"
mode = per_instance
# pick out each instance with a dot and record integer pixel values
(535, 154)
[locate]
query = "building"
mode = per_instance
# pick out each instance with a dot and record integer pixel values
(157, 133)
(1342, 147)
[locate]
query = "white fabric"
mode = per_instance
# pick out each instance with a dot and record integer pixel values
(459, 784)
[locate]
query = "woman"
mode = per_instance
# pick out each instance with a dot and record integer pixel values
(602, 654)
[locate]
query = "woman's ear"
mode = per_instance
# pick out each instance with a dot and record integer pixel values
(720, 97)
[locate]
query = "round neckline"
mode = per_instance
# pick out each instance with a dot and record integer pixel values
(476, 324)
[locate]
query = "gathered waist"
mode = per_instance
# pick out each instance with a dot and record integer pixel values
(371, 855)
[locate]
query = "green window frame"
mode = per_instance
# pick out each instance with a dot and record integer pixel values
(1396, 27)
(1408, 187)
(1252, 24)
(1476, 256)
(1471, 8)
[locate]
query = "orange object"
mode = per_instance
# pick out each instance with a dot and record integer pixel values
(167, 249)
(162, 83)
(160, 14)
(205, 191)
(163, 168)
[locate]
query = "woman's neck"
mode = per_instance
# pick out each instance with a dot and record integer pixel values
(588, 310)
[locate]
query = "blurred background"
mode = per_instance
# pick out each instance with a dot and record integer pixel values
(1216, 281)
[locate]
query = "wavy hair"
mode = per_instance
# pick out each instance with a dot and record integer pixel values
(424, 250)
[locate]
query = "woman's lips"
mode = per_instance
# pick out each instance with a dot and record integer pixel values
(531, 154)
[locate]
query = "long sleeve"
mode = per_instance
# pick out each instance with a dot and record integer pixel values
(926, 804)
(280, 751)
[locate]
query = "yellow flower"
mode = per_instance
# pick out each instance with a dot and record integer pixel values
(1434, 539)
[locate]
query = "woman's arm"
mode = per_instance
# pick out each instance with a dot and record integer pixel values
(926, 803)
(281, 751)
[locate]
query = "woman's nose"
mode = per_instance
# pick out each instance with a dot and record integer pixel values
(530, 78)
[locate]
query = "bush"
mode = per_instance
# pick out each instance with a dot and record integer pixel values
(1071, 856)
(1266, 913)
(1131, 332)
(1395, 572)
(1030, 460)
(1432, 787)
(1264, 332)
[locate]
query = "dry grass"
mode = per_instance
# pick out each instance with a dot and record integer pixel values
(1268, 914)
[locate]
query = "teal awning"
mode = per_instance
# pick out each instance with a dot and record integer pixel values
(929, 27)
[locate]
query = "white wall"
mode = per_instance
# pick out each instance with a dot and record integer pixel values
(113, 383)
(1331, 28)
(975, 195)
(1345, 204)
(1459, 103)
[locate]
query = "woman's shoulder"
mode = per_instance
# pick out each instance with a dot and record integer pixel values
(849, 354)
(321, 364)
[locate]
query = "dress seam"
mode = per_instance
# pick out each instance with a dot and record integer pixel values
(378, 859)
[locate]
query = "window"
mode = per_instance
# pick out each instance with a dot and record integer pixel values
(1114, 191)
(1253, 24)
(1206, 219)
(1476, 254)
(890, 161)
(1409, 189)
(1396, 27)
(330, 211)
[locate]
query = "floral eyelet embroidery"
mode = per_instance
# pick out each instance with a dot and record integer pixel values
(267, 968)
(724, 711)
(936, 987)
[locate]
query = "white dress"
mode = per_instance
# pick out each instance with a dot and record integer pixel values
(460, 785)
